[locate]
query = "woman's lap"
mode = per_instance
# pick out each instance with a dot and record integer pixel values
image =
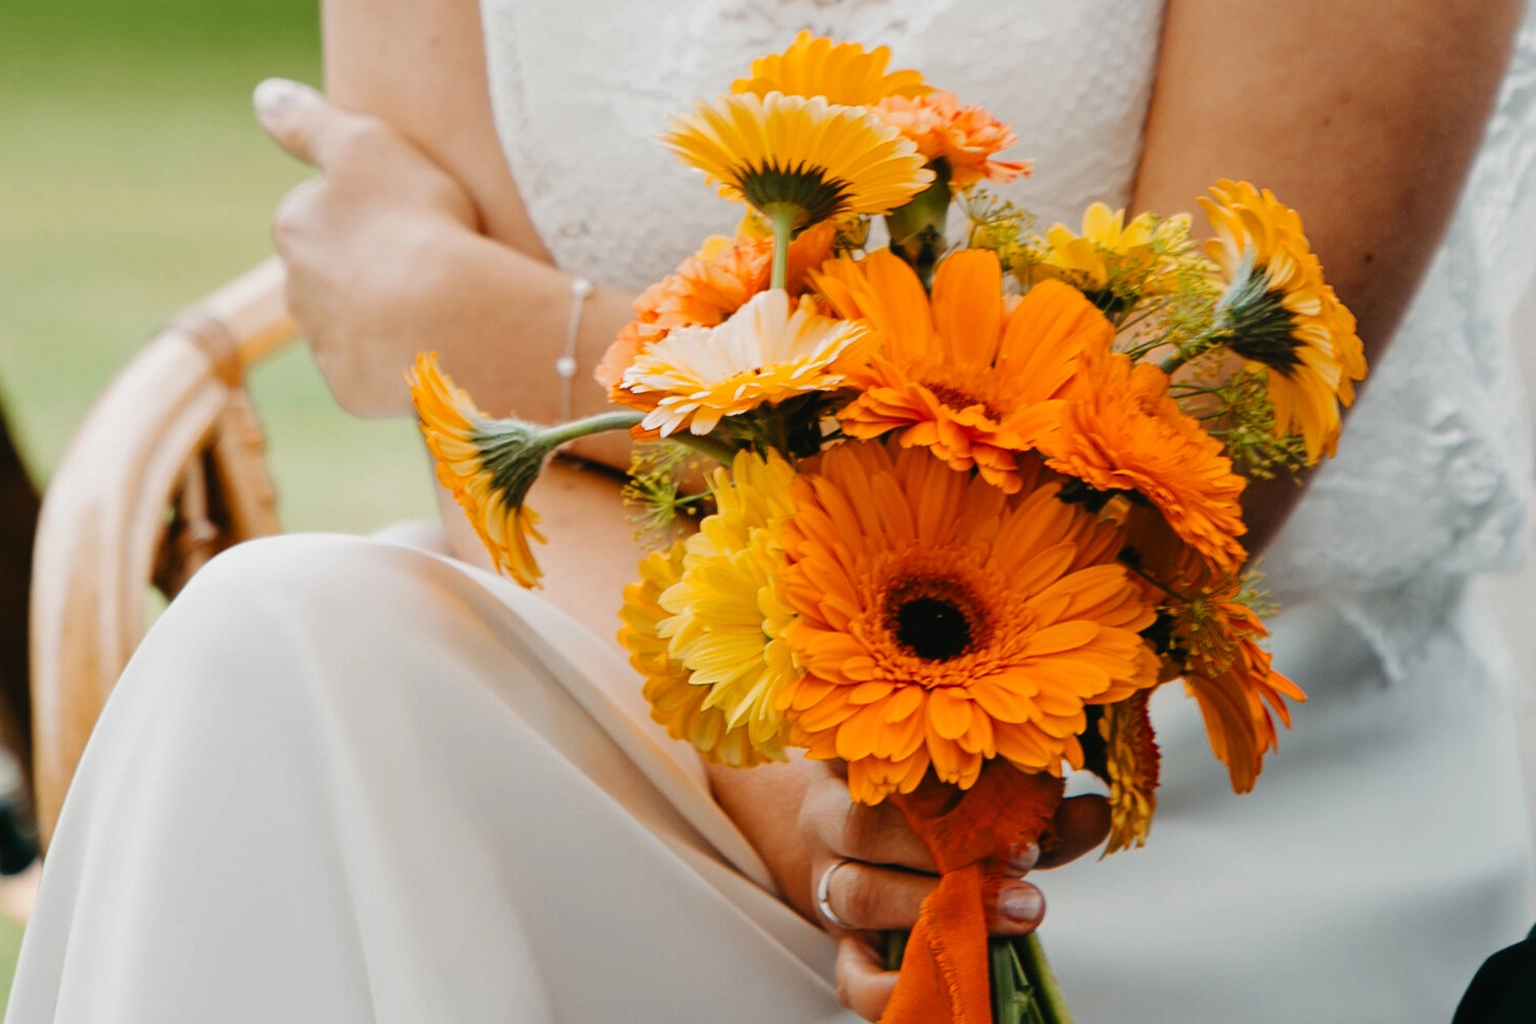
(343, 780)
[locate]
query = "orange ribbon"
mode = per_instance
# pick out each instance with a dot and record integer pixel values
(944, 974)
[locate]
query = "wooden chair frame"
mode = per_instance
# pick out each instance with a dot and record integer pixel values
(165, 471)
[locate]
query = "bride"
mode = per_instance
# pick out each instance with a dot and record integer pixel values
(352, 780)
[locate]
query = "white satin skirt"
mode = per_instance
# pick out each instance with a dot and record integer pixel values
(350, 781)
(344, 782)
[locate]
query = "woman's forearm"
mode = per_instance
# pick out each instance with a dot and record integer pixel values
(1364, 116)
(493, 305)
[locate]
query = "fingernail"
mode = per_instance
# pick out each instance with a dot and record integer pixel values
(1021, 904)
(274, 95)
(1024, 857)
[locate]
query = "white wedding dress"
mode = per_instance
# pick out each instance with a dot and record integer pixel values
(349, 780)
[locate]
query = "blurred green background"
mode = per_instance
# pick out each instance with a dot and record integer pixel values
(133, 179)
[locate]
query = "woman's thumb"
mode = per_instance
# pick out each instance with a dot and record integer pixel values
(298, 118)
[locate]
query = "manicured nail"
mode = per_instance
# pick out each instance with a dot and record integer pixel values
(1021, 904)
(275, 95)
(1023, 857)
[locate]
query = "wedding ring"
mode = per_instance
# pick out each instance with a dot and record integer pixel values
(824, 896)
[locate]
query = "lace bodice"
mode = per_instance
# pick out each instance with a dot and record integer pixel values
(1432, 475)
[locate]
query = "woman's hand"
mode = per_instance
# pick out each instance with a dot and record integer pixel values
(877, 872)
(385, 259)
(365, 243)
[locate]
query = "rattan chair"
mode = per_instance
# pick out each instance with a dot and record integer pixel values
(165, 471)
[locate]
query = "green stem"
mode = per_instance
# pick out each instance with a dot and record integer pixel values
(1047, 989)
(705, 445)
(783, 217)
(598, 424)
(895, 949)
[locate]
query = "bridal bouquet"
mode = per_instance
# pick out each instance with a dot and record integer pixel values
(970, 504)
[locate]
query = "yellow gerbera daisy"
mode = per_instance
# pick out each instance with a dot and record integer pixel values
(1282, 316)
(769, 350)
(485, 463)
(1133, 762)
(942, 622)
(727, 622)
(799, 160)
(675, 702)
(1108, 248)
(843, 73)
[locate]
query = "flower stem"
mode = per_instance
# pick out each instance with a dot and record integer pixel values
(601, 423)
(1053, 1004)
(705, 445)
(895, 949)
(783, 217)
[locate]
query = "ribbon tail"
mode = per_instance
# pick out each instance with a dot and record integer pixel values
(944, 976)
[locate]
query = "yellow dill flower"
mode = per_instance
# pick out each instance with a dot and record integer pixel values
(487, 464)
(727, 619)
(675, 701)
(1281, 315)
(1108, 249)
(799, 160)
(769, 350)
(1133, 762)
(843, 73)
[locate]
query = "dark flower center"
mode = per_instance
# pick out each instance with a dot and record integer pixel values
(959, 400)
(935, 618)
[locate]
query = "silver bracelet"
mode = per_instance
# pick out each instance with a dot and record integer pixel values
(565, 366)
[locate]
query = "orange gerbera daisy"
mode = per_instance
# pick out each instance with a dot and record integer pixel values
(487, 465)
(966, 138)
(960, 375)
(675, 701)
(1282, 314)
(708, 287)
(1212, 638)
(1120, 431)
(942, 622)
(843, 73)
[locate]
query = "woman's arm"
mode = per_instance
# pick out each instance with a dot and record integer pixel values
(1363, 115)
(415, 236)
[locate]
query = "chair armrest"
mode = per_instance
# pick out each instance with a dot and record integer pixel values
(174, 425)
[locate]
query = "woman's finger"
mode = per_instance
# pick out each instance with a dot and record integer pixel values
(302, 121)
(867, 897)
(1082, 823)
(876, 835)
(863, 983)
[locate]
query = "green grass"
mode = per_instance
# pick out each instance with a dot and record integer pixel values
(132, 181)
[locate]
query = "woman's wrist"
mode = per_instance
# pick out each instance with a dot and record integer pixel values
(504, 322)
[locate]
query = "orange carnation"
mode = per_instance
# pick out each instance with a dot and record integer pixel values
(960, 374)
(708, 287)
(1120, 431)
(942, 622)
(965, 137)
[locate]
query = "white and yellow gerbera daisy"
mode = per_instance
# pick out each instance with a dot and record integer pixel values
(769, 350)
